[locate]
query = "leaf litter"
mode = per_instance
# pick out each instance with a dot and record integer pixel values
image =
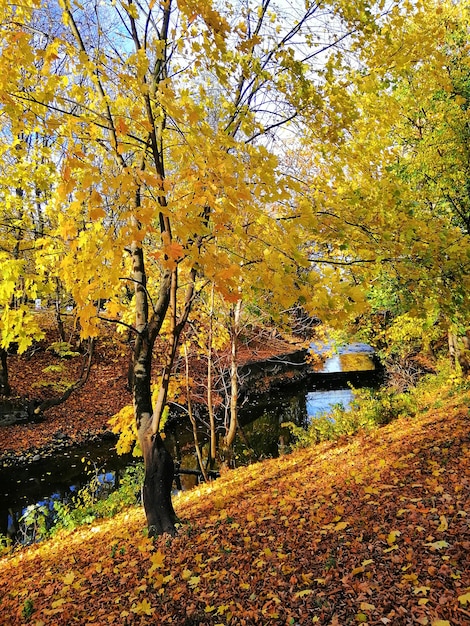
(372, 529)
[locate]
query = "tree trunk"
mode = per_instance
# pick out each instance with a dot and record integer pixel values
(159, 466)
(58, 317)
(156, 491)
(213, 435)
(4, 385)
(231, 431)
(192, 419)
(453, 348)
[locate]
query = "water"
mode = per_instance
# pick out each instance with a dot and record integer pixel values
(40, 484)
(262, 436)
(319, 402)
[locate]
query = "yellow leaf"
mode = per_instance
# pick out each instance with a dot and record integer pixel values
(392, 537)
(443, 525)
(440, 622)
(194, 581)
(303, 593)
(341, 526)
(465, 598)
(96, 213)
(69, 578)
(142, 608)
(438, 545)
(365, 606)
(157, 560)
(394, 547)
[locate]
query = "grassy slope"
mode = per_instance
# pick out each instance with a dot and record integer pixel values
(374, 529)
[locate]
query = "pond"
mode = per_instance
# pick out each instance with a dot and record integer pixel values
(261, 436)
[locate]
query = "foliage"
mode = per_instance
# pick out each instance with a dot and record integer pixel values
(374, 408)
(63, 349)
(60, 382)
(372, 529)
(28, 609)
(89, 130)
(370, 409)
(398, 172)
(91, 503)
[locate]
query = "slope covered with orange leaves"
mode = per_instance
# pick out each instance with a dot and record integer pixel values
(374, 529)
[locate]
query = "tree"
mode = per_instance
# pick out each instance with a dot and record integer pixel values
(165, 121)
(397, 167)
(25, 178)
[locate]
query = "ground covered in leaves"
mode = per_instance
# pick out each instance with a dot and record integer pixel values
(374, 529)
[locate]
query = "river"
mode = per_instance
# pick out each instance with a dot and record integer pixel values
(58, 478)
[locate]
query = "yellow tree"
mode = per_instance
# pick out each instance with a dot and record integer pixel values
(166, 118)
(25, 181)
(396, 204)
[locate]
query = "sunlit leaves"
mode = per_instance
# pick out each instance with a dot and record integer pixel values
(464, 599)
(258, 534)
(142, 608)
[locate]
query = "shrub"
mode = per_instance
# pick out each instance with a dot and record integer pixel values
(373, 408)
(89, 504)
(370, 409)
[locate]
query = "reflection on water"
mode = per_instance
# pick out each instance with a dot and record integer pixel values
(348, 363)
(355, 357)
(319, 402)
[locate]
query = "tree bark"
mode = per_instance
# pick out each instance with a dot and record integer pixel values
(231, 431)
(159, 466)
(213, 435)
(4, 385)
(156, 491)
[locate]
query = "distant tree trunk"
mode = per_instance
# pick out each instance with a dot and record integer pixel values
(210, 405)
(453, 348)
(58, 317)
(4, 385)
(459, 351)
(231, 431)
(192, 419)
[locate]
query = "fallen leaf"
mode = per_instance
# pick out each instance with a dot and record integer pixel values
(465, 598)
(142, 608)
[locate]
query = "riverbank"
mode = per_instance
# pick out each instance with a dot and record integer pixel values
(370, 529)
(84, 417)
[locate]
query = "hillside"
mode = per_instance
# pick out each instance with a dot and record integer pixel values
(374, 529)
